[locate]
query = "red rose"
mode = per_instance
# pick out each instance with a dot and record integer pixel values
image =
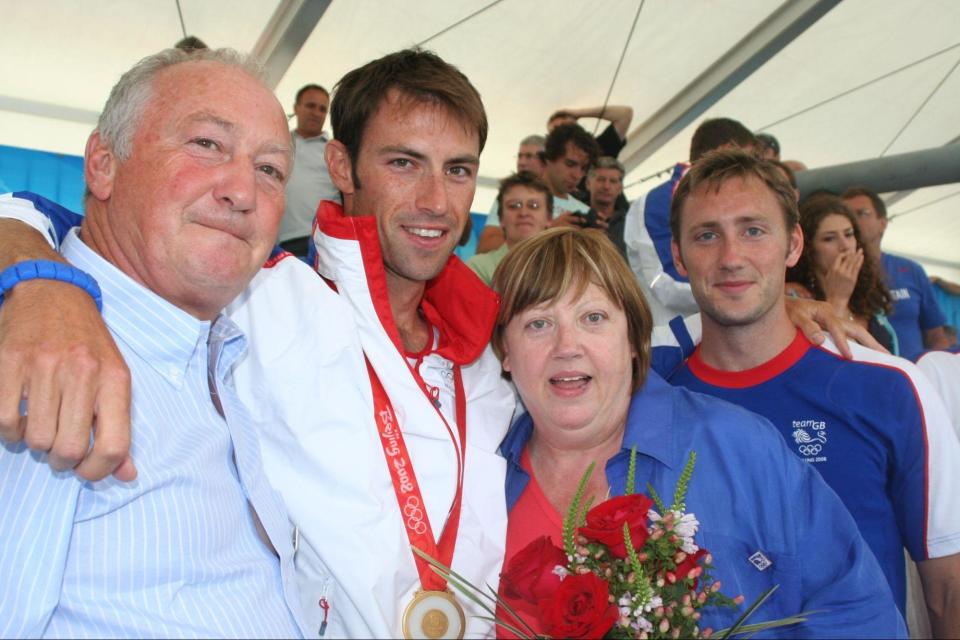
(605, 522)
(529, 575)
(580, 608)
(689, 563)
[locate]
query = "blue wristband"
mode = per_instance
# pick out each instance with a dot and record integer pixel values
(49, 270)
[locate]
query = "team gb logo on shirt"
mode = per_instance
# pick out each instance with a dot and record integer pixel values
(810, 437)
(900, 294)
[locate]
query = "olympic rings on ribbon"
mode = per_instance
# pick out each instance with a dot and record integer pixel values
(414, 515)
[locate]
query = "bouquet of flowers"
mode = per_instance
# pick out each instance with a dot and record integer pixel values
(630, 568)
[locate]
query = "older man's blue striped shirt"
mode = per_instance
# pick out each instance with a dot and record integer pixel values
(176, 553)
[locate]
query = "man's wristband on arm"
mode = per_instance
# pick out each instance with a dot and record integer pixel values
(49, 270)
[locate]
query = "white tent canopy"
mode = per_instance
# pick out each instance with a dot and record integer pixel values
(835, 82)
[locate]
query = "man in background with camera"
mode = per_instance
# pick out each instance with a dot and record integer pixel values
(568, 153)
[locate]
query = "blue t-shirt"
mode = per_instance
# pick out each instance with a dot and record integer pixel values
(915, 307)
(861, 425)
(767, 518)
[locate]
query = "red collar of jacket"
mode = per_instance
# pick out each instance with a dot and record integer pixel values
(456, 301)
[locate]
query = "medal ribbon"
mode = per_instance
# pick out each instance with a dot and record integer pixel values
(413, 510)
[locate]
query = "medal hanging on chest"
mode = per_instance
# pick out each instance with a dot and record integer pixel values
(434, 611)
(433, 614)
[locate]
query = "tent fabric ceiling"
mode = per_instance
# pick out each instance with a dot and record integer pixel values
(528, 58)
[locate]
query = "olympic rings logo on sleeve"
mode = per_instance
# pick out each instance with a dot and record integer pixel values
(414, 515)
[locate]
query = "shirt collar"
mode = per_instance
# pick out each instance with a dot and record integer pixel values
(763, 372)
(500, 251)
(297, 137)
(650, 426)
(516, 439)
(163, 335)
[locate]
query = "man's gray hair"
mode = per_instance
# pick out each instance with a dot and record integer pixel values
(607, 162)
(129, 97)
(535, 139)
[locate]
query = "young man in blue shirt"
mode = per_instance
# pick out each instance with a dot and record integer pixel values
(874, 427)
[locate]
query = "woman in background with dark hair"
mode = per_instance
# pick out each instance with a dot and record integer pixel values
(832, 268)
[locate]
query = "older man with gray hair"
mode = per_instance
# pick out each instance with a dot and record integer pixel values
(185, 175)
(605, 186)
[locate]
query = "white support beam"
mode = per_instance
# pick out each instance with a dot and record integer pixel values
(48, 110)
(291, 24)
(791, 19)
(913, 170)
(488, 181)
(900, 195)
(288, 29)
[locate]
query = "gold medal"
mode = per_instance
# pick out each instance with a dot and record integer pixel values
(432, 615)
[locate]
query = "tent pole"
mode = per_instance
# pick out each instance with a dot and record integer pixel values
(763, 42)
(926, 168)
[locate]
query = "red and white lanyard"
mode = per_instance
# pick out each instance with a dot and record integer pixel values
(413, 510)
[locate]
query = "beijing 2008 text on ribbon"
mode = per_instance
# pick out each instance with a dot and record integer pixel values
(434, 611)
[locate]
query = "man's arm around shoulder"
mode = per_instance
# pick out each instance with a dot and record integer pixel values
(57, 354)
(941, 590)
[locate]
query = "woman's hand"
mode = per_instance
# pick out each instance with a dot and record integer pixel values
(814, 317)
(841, 279)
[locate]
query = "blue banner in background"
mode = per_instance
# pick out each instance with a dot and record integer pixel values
(55, 176)
(950, 304)
(466, 251)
